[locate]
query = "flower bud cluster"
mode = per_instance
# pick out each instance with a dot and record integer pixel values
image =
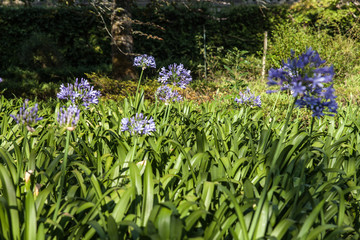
(166, 94)
(248, 98)
(175, 74)
(138, 125)
(144, 61)
(310, 83)
(80, 93)
(27, 116)
(68, 117)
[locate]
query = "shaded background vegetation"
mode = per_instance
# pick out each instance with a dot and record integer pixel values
(202, 174)
(52, 45)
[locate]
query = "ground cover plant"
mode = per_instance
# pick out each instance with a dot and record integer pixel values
(82, 167)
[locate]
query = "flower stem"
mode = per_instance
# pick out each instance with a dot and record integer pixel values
(277, 98)
(156, 104)
(302, 163)
(167, 113)
(273, 169)
(138, 86)
(282, 136)
(134, 148)
(312, 126)
(63, 173)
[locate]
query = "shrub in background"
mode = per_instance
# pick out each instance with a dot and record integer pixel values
(182, 31)
(56, 44)
(343, 52)
(333, 16)
(75, 33)
(77, 42)
(40, 51)
(330, 26)
(41, 83)
(49, 46)
(228, 71)
(118, 90)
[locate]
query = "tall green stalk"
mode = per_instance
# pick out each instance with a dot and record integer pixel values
(156, 105)
(137, 90)
(167, 114)
(273, 168)
(20, 163)
(134, 148)
(63, 173)
(282, 136)
(302, 167)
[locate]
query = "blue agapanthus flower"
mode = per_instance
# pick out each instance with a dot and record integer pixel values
(167, 94)
(176, 74)
(79, 93)
(138, 125)
(68, 117)
(308, 81)
(27, 116)
(248, 98)
(144, 61)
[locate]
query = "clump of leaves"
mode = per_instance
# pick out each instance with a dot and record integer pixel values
(334, 16)
(340, 50)
(118, 90)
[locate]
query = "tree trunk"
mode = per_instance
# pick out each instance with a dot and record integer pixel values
(122, 44)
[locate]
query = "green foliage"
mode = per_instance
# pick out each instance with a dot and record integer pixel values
(333, 16)
(329, 26)
(41, 83)
(200, 175)
(53, 44)
(214, 170)
(241, 67)
(39, 51)
(339, 50)
(42, 45)
(76, 35)
(118, 90)
(183, 34)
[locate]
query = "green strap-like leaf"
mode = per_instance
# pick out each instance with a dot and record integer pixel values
(112, 229)
(207, 194)
(10, 195)
(238, 212)
(148, 197)
(122, 206)
(281, 228)
(305, 229)
(30, 217)
(4, 220)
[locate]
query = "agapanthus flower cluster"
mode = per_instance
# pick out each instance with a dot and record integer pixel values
(176, 74)
(81, 93)
(248, 98)
(144, 61)
(138, 125)
(1, 79)
(167, 94)
(27, 116)
(310, 83)
(68, 117)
